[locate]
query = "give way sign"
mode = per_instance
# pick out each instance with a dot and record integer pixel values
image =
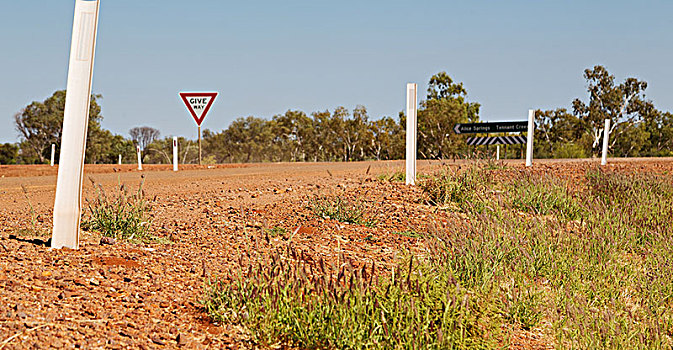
(198, 104)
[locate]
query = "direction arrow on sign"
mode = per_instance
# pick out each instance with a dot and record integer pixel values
(198, 104)
(498, 140)
(486, 128)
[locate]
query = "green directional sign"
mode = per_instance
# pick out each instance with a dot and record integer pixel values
(487, 128)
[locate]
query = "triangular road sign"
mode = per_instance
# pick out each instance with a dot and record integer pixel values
(198, 104)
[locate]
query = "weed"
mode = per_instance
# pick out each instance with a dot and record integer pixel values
(465, 189)
(523, 307)
(120, 215)
(493, 164)
(544, 196)
(33, 230)
(313, 305)
(342, 210)
(603, 281)
(595, 272)
(652, 197)
(276, 232)
(396, 176)
(410, 234)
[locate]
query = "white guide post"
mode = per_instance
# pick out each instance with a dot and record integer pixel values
(411, 134)
(68, 202)
(529, 142)
(120, 160)
(606, 142)
(175, 154)
(140, 158)
(53, 154)
(497, 152)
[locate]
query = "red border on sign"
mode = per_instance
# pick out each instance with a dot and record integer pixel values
(185, 95)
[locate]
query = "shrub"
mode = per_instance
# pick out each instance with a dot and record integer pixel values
(569, 151)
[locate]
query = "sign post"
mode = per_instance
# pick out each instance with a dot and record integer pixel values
(68, 200)
(175, 154)
(411, 134)
(53, 153)
(529, 144)
(497, 152)
(140, 158)
(606, 142)
(198, 104)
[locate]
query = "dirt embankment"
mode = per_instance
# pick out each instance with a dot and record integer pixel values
(211, 221)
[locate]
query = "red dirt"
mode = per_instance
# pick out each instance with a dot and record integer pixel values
(114, 261)
(147, 295)
(46, 170)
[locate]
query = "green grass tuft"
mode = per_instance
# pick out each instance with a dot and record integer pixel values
(396, 176)
(465, 189)
(276, 232)
(350, 308)
(545, 196)
(342, 210)
(121, 214)
(410, 234)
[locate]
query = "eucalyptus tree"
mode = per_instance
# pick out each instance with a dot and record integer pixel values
(624, 104)
(555, 130)
(40, 125)
(293, 133)
(444, 107)
(143, 136)
(9, 153)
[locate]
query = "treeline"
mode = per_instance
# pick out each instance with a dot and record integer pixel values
(638, 129)
(339, 135)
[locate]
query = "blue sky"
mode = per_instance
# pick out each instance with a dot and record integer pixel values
(266, 57)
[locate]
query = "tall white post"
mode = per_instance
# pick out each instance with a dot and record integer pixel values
(175, 154)
(411, 134)
(53, 154)
(68, 201)
(606, 142)
(529, 142)
(140, 158)
(497, 152)
(120, 160)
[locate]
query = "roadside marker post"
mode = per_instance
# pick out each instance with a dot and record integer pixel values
(411, 134)
(175, 154)
(53, 153)
(68, 200)
(140, 158)
(529, 144)
(198, 104)
(120, 160)
(606, 142)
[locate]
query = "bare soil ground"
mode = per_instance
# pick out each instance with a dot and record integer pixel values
(211, 221)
